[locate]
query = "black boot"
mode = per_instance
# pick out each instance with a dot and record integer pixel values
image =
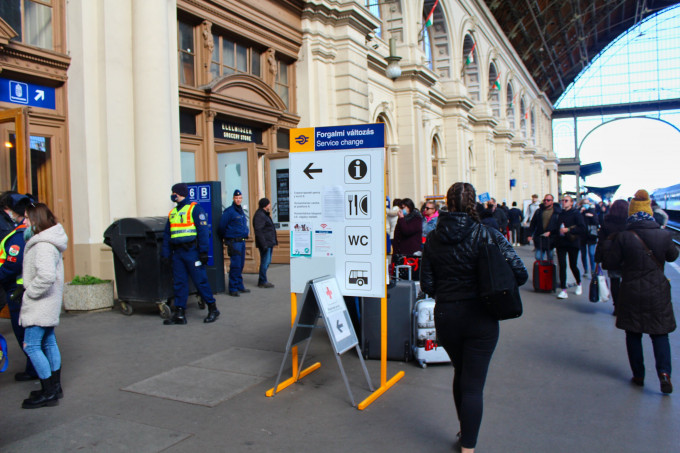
(46, 397)
(177, 317)
(213, 313)
(56, 380)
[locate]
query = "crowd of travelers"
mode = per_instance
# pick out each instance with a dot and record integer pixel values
(626, 238)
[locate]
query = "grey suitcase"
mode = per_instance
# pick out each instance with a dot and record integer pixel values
(401, 297)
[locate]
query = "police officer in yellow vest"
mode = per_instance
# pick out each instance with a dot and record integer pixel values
(11, 260)
(187, 240)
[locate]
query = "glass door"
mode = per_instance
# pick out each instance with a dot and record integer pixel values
(13, 175)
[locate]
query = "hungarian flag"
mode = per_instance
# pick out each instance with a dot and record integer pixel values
(470, 58)
(430, 17)
(496, 85)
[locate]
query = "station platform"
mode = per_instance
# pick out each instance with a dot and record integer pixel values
(558, 382)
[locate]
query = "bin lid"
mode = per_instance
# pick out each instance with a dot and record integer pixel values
(136, 227)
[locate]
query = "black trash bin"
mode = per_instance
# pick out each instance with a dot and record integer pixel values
(141, 275)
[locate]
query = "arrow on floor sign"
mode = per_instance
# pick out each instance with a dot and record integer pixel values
(339, 326)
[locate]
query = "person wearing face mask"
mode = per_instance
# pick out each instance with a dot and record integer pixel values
(409, 231)
(11, 260)
(590, 239)
(187, 241)
(7, 223)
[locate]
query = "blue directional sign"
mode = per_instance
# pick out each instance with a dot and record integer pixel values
(17, 92)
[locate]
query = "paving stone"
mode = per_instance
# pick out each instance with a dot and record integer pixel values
(195, 385)
(96, 433)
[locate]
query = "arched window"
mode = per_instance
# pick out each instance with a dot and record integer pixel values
(471, 67)
(374, 7)
(494, 90)
(435, 39)
(510, 106)
(436, 153)
(533, 126)
(427, 48)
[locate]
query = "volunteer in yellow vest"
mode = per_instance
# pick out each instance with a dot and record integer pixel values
(187, 241)
(11, 260)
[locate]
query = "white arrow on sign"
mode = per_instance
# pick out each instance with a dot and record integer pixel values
(40, 95)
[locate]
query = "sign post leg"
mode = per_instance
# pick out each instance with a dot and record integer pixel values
(297, 374)
(384, 383)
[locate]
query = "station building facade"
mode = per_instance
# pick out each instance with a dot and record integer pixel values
(155, 92)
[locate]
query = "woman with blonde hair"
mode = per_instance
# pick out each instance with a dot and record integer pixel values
(43, 273)
(449, 274)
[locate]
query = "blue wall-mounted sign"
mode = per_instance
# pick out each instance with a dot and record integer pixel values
(23, 93)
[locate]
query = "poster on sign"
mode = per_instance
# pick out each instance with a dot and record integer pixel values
(337, 214)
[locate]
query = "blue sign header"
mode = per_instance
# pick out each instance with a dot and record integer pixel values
(24, 93)
(349, 137)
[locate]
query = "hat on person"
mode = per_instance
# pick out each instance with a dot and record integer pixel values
(181, 189)
(237, 193)
(18, 203)
(640, 203)
(263, 203)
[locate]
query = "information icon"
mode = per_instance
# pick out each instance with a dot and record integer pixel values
(357, 169)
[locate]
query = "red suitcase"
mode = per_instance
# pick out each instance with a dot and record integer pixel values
(545, 276)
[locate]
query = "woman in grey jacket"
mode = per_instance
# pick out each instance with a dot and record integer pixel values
(43, 273)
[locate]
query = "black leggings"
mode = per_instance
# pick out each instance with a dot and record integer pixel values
(469, 337)
(573, 265)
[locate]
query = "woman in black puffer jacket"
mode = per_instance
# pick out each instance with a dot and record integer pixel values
(644, 304)
(449, 274)
(614, 223)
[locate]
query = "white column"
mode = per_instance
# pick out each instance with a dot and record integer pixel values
(156, 103)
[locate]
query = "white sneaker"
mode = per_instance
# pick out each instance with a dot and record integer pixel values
(562, 295)
(579, 290)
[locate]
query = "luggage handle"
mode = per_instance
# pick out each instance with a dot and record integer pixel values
(401, 266)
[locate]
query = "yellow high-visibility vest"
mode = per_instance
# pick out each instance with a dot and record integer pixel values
(182, 222)
(3, 253)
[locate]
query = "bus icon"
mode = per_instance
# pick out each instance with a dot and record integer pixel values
(358, 277)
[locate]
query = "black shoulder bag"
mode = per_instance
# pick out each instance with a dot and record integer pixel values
(498, 289)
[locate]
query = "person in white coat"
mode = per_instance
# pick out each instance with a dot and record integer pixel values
(43, 273)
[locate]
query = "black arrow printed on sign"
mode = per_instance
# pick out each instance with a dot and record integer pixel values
(339, 326)
(309, 170)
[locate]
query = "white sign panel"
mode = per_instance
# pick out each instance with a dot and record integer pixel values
(337, 209)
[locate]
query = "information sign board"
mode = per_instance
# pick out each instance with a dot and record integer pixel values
(337, 208)
(24, 93)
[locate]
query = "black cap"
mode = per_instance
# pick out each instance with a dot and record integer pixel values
(263, 203)
(181, 189)
(237, 193)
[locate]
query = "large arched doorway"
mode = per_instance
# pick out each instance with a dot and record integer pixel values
(634, 152)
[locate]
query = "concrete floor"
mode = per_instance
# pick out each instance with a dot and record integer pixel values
(558, 382)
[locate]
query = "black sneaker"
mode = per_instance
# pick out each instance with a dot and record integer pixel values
(234, 293)
(244, 290)
(265, 285)
(665, 381)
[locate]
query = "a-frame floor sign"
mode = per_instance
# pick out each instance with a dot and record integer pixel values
(322, 298)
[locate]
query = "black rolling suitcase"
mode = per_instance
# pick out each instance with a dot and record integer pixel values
(401, 297)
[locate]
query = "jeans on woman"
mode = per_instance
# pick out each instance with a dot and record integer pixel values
(41, 346)
(662, 353)
(588, 256)
(573, 264)
(265, 261)
(469, 336)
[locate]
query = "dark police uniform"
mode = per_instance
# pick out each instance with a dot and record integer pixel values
(234, 230)
(11, 261)
(187, 240)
